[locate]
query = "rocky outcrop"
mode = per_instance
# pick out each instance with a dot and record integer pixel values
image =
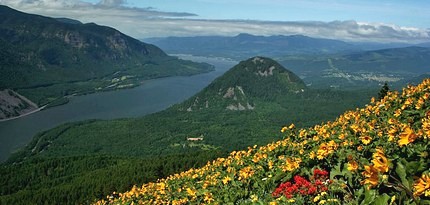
(12, 104)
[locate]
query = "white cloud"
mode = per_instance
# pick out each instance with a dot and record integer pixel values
(112, 2)
(147, 22)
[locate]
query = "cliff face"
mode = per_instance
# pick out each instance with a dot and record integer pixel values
(27, 30)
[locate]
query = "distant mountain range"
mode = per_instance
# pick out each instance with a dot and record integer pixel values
(247, 105)
(247, 45)
(321, 63)
(45, 58)
(362, 68)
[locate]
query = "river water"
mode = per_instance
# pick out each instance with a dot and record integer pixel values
(154, 95)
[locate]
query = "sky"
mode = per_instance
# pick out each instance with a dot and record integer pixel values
(349, 20)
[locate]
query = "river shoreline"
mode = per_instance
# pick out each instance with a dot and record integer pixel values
(152, 96)
(23, 115)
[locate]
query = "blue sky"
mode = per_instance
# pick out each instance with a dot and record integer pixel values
(364, 20)
(404, 13)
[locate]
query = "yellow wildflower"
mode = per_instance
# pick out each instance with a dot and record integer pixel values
(291, 164)
(270, 164)
(420, 103)
(254, 198)
(208, 197)
(312, 155)
(371, 176)
(352, 166)
(407, 136)
(191, 192)
(226, 180)
(322, 202)
(366, 139)
(323, 151)
(355, 128)
(380, 162)
(393, 199)
(245, 173)
(397, 113)
(422, 185)
(426, 127)
(317, 198)
(284, 129)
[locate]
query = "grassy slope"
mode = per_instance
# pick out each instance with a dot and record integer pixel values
(373, 155)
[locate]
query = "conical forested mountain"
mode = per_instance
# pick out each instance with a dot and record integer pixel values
(257, 78)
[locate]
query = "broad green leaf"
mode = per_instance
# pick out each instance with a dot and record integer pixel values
(369, 197)
(401, 172)
(336, 171)
(382, 200)
(425, 202)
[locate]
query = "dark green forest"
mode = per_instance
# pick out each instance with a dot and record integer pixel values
(82, 179)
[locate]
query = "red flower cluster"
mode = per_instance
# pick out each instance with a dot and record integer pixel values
(301, 186)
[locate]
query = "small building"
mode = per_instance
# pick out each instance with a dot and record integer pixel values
(194, 138)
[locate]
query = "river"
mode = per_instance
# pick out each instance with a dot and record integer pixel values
(152, 96)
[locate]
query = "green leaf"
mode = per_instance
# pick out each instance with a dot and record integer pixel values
(382, 200)
(369, 197)
(415, 167)
(425, 202)
(280, 175)
(401, 172)
(336, 171)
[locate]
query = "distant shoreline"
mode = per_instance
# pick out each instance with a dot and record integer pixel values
(23, 115)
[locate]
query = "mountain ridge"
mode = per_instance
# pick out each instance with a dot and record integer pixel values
(244, 45)
(45, 59)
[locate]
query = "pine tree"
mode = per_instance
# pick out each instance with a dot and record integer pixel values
(383, 92)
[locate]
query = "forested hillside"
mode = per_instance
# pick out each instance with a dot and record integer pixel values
(276, 97)
(45, 58)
